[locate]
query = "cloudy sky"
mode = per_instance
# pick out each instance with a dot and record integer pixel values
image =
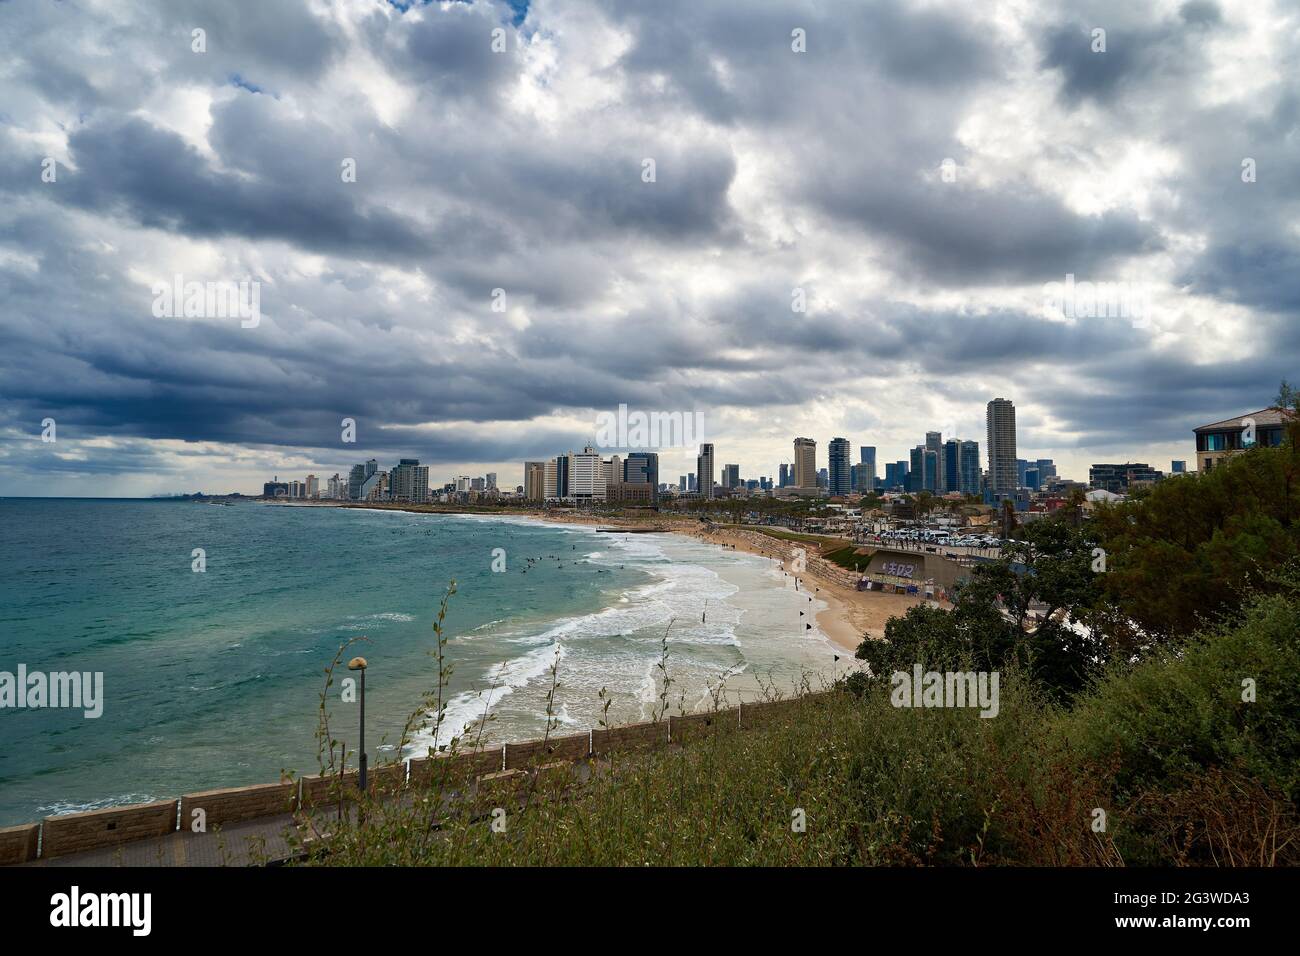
(919, 172)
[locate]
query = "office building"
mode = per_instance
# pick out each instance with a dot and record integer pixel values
(587, 476)
(1118, 479)
(730, 476)
(839, 480)
(1178, 467)
(1000, 418)
(934, 443)
(896, 476)
(642, 467)
(867, 455)
(704, 470)
(968, 482)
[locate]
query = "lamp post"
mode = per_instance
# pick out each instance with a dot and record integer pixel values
(359, 664)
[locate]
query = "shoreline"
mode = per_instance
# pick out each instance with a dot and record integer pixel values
(849, 616)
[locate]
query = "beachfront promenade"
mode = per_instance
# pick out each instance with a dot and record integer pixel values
(266, 824)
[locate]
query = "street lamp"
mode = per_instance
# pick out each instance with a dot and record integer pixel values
(359, 664)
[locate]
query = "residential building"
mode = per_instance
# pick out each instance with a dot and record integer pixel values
(535, 480)
(805, 463)
(409, 481)
(704, 470)
(1216, 441)
(1000, 418)
(839, 480)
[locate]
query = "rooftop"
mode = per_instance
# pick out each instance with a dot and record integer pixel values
(1265, 416)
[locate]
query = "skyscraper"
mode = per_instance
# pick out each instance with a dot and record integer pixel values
(409, 481)
(704, 470)
(868, 453)
(535, 480)
(896, 475)
(1001, 419)
(934, 443)
(951, 465)
(730, 476)
(969, 479)
(839, 478)
(643, 466)
(784, 478)
(805, 463)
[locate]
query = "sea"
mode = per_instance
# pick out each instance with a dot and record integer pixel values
(213, 626)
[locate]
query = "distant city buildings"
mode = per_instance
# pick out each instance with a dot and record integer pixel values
(805, 463)
(704, 470)
(839, 479)
(1000, 417)
(1119, 479)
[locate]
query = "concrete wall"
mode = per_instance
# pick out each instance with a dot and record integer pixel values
(96, 829)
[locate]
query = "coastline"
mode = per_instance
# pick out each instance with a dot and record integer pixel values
(850, 615)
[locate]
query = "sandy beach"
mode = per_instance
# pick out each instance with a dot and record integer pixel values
(849, 615)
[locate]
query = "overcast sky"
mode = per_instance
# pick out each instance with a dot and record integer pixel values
(921, 172)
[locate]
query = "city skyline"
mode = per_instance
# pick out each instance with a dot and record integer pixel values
(471, 254)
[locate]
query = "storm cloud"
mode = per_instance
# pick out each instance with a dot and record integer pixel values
(475, 225)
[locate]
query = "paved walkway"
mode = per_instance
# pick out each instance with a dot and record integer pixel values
(248, 843)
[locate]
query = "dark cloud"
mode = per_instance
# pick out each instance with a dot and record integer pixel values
(523, 171)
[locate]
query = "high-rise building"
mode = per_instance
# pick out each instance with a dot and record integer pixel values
(1177, 467)
(409, 481)
(313, 487)
(372, 466)
(557, 478)
(691, 483)
(896, 475)
(587, 477)
(968, 482)
(643, 467)
(951, 465)
(704, 470)
(784, 475)
(805, 463)
(730, 476)
(682, 485)
(1001, 420)
(1046, 471)
(839, 480)
(356, 478)
(535, 480)
(930, 482)
(868, 458)
(934, 443)
(491, 481)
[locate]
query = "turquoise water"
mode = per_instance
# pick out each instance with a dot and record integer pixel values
(213, 679)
